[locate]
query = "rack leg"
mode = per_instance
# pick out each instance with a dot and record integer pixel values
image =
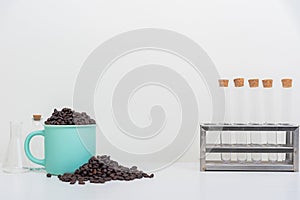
(202, 149)
(296, 149)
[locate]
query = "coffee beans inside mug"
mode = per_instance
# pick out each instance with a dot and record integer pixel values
(67, 116)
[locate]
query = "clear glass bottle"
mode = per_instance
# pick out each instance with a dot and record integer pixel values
(37, 145)
(239, 115)
(269, 115)
(226, 135)
(254, 109)
(14, 160)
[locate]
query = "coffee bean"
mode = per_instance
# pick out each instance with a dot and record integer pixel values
(94, 181)
(81, 182)
(106, 179)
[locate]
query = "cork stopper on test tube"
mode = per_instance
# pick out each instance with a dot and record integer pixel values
(267, 83)
(223, 82)
(253, 83)
(37, 117)
(238, 82)
(287, 82)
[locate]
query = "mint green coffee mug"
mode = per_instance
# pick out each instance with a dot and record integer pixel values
(67, 147)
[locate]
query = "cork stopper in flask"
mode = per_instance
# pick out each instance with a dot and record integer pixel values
(287, 82)
(267, 83)
(223, 82)
(37, 117)
(239, 82)
(253, 83)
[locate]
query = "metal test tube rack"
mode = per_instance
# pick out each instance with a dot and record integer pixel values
(290, 148)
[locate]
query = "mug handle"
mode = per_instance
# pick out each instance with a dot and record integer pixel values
(27, 149)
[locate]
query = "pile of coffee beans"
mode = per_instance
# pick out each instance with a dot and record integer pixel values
(102, 169)
(68, 116)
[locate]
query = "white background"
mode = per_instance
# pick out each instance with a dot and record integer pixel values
(43, 44)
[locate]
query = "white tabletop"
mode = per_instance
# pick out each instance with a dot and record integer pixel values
(180, 181)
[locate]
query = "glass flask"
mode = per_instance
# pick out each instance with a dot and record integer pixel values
(254, 116)
(14, 160)
(226, 135)
(239, 116)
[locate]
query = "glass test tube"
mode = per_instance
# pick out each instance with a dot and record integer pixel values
(239, 115)
(254, 116)
(270, 115)
(226, 135)
(285, 117)
(213, 139)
